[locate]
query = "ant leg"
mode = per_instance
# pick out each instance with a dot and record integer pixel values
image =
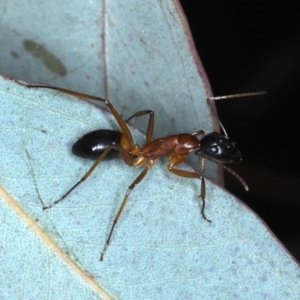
(150, 126)
(122, 124)
(177, 159)
(126, 156)
(198, 132)
(86, 175)
(135, 182)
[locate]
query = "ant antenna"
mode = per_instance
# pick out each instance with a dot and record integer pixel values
(237, 176)
(230, 97)
(233, 173)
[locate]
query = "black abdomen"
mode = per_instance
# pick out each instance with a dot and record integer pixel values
(92, 144)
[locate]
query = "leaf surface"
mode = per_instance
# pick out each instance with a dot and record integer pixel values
(140, 57)
(161, 247)
(137, 56)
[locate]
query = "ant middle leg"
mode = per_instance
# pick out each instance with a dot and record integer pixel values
(150, 126)
(177, 159)
(131, 187)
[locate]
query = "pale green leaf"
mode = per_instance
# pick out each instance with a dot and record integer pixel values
(161, 248)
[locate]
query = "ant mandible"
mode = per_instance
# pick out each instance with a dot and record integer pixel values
(109, 144)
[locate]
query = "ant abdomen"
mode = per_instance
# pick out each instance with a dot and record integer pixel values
(93, 144)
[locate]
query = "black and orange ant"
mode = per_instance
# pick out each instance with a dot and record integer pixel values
(108, 144)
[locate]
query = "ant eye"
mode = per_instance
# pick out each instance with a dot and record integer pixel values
(214, 150)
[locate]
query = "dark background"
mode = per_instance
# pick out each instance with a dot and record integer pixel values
(250, 46)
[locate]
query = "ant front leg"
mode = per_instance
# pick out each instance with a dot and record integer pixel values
(174, 160)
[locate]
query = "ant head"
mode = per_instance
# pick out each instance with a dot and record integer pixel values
(219, 148)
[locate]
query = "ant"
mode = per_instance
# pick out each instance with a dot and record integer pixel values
(109, 144)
